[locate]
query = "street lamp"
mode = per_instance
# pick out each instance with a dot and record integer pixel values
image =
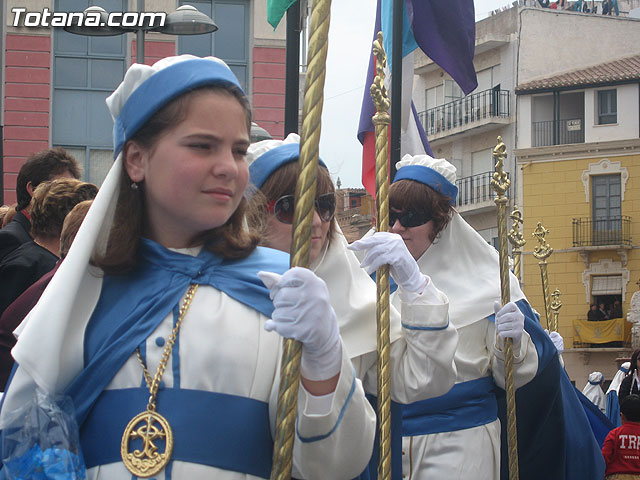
(186, 20)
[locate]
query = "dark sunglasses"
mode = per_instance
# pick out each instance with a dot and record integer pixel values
(284, 206)
(409, 218)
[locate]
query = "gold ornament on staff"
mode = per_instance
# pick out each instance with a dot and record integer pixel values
(555, 306)
(381, 121)
(516, 238)
(305, 196)
(542, 252)
(500, 183)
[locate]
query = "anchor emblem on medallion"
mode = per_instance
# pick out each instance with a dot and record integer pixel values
(149, 427)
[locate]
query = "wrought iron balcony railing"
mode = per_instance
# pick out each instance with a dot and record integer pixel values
(474, 189)
(466, 111)
(559, 132)
(600, 231)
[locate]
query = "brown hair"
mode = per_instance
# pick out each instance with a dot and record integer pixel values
(43, 166)
(411, 195)
(8, 216)
(231, 240)
(4, 210)
(52, 201)
(280, 183)
(71, 224)
(634, 362)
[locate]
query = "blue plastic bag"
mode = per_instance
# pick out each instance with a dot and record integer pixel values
(41, 442)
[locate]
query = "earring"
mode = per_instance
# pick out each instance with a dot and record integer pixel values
(134, 186)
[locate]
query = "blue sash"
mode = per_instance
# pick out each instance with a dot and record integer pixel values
(224, 431)
(466, 405)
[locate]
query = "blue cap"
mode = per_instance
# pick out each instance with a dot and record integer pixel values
(430, 178)
(161, 88)
(270, 161)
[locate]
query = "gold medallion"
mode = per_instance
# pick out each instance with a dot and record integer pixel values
(148, 426)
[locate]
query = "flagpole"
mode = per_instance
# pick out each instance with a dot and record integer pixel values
(381, 122)
(396, 84)
(292, 67)
(305, 196)
(500, 183)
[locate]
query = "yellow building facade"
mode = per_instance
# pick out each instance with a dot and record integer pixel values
(558, 193)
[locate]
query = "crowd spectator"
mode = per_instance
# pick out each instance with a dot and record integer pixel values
(594, 314)
(39, 167)
(616, 310)
(8, 215)
(621, 449)
(630, 383)
(18, 310)
(603, 312)
(4, 210)
(22, 267)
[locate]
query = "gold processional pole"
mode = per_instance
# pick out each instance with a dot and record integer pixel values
(381, 121)
(555, 306)
(302, 220)
(500, 183)
(516, 238)
(542, 252)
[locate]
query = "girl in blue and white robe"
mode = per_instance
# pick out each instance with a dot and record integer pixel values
(219, 390)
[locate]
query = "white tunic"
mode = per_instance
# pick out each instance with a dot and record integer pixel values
(465, 268)
(224, 348)
(472, 452)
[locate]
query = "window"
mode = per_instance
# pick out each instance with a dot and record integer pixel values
(230, 42)
(606, 285)
(452, 91)
(607, 107)
(85, 72)
(607, 209)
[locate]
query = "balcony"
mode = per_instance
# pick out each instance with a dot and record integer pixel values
(473, 111)
(561, 132)
(475, 192)
(602, 233)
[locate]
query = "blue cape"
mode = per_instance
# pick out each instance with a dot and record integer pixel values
(132, 306)
(555, 437)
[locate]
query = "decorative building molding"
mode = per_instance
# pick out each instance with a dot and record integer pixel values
(605, 166)
(605, 267)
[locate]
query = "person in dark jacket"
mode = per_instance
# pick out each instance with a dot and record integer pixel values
(22, 267)
(40, 167)
(629, 383)
(594, 314)
(18, 310)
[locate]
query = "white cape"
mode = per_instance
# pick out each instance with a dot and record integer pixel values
(353, 297)
(471, 291)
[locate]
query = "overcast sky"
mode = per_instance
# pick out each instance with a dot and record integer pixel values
(350, 36)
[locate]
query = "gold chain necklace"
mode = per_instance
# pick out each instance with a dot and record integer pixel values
(150, 425)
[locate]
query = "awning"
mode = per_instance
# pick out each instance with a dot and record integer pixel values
(606, 285)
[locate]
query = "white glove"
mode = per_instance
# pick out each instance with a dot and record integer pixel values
(388, 248)
(557, 340)
(303, 312)
(509, 321)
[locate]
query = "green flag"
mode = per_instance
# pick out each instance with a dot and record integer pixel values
(276, 9)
